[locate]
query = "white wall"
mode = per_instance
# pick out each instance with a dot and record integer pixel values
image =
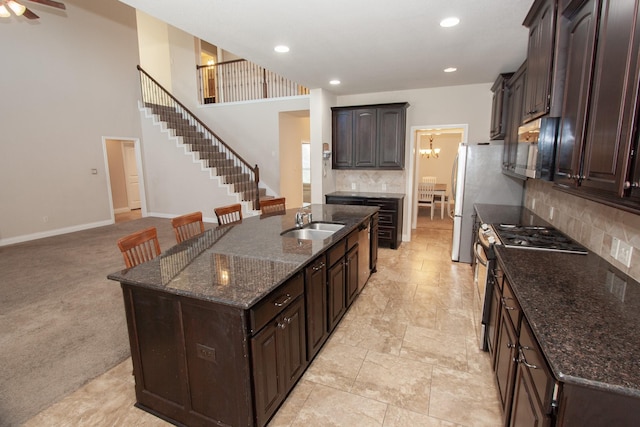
(68, 80)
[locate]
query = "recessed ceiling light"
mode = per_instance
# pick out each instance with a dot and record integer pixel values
(281, 48)
(450, 69)
(334, 82)
(449, 22)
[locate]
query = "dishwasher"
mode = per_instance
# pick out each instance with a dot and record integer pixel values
(364, 270)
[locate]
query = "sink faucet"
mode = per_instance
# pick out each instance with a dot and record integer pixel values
(300, 218)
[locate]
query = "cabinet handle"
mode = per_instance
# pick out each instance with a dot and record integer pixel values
(522, 359)
(628, 185)
(504, 304)
(318, 267)
(287, 298)
(509, 345)
(284, 323)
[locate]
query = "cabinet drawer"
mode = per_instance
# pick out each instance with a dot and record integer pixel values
(530, 357)
(336, 253)
(352, 239)
(337, 200)
(388, 205)
(277, 301)
(510, 304)
(385, 233)
(385, 218)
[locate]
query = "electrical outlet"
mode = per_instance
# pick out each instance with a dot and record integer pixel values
(45, 219)
(551, 212)
(624, 253)
(533, 203)
(615, 244)
(353, 185)
(384, 187)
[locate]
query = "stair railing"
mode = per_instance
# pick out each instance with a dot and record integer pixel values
(221, 156)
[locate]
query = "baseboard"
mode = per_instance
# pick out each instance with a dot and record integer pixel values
(50, 233)
(121, 210)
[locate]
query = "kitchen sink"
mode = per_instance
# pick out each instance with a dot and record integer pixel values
(313, 231)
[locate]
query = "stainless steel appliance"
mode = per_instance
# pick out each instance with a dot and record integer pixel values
(477, 178)
(536, 151)
(483, 285)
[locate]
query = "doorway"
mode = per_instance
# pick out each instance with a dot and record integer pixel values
(443, 141)
(124, 173)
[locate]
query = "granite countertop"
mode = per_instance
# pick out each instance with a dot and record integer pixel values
(584, 312)
(366, 194)
(238, 265)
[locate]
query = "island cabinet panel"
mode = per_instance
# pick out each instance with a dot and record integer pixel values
(585, 406)
(181, 370)
(316, 305)
(351, 274)
(336, 292)
(279, 359)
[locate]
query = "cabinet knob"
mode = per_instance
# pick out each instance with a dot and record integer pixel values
(628, 185)
(522, 358)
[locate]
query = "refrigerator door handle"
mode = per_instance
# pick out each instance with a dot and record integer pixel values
(454, 171)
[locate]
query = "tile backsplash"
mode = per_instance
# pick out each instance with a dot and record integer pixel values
(374, 181)
(592, 224)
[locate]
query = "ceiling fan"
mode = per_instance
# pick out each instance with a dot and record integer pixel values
(20, 10)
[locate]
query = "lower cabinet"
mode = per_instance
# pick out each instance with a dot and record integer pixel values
(315, 277)
(336, 289)
(279, 359)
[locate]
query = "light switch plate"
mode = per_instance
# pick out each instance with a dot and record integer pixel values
(615, 243)
(624, 253)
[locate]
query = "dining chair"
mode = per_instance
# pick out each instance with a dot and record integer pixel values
(187, 225)
(271, 206)
(426, 193)
(139, 247)
(229, 214)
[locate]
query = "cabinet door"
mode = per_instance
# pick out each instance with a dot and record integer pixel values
(607, 148)
(506, 351)
(336, 293)
(526, 410)
(342, 129)
(540, 59)
(499, 107)
(351, 274)
(494, 321)
(268, 375)
(515, 99)
(316, 295)
(364, 139)
(373, 238)
(391, 138)
(294, 348)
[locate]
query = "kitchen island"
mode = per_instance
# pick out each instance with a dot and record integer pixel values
(222, 325)
(584, 315)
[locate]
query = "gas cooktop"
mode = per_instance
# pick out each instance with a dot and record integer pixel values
(537, 237)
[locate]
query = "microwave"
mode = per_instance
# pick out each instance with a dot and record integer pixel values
(536, 148)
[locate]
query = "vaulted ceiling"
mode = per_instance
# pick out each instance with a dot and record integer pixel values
(369, 45)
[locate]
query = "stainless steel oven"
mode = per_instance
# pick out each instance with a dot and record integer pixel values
(483, 287)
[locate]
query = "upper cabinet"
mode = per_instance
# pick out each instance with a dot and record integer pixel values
(369, 136)
(514, 101)
(598, 137)
(499, 107)
(541, 21)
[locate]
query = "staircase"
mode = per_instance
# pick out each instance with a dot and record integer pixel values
(218, 156)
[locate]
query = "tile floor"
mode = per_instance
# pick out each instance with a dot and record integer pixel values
(404, 355)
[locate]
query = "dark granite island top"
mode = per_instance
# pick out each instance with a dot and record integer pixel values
(584, 312)
(237, 265)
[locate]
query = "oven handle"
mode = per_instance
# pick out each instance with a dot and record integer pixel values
(480, 256)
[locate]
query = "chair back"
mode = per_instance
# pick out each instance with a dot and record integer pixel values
(276, 205)
(426, 189)
(229, 214)
(139, 247)
(187, 226)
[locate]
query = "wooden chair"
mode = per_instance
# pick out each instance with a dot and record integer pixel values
(426, 192)
(187, 226)
(271, 206)
(139, 247)
(229, 214)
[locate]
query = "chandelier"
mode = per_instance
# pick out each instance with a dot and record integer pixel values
(19, 9)
(430, 152)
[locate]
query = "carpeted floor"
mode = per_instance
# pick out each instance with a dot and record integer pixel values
(63, 321)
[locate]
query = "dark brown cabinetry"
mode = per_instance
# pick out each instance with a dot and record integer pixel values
(599, 142)
(524, 380)
(514, 104)
(336, 285)
(369, 136)
(389, 219)
(499, 107)
(541, 21)
(351, 273)
(279, 353)
(316, 305)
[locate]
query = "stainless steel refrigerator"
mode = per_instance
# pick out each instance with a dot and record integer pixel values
(477, 178)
